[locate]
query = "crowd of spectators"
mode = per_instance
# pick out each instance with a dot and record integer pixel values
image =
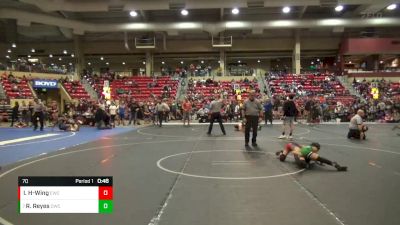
(325, 99)
(380, 99)
(24, 65)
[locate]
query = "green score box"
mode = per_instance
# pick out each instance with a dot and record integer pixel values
(105, 206)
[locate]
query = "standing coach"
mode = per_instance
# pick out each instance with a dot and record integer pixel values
(252, 112)
(215, 112)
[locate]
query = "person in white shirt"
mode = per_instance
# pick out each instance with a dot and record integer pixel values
(113, 112)
(162, 109)
(356, 127)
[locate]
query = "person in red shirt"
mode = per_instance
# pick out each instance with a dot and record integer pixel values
(187, 109)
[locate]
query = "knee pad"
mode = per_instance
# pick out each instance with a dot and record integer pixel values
(282, 157)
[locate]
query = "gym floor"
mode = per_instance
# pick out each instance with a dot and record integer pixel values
(178, 175)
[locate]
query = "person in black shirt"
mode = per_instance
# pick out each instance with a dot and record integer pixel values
(134, 108)
(289, 113)
(307, 108)
(14, 114)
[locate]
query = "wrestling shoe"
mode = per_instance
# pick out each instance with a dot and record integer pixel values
(340, 168)
(282, 136)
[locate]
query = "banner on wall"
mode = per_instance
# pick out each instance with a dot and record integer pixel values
(375, 93)
(45, 84)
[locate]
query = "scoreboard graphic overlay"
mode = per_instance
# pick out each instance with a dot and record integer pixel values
(65, 194)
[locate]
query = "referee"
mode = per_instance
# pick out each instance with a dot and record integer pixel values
(252, 111)
(215, 113)
(38, 109)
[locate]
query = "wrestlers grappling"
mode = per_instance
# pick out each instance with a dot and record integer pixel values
(303, 155)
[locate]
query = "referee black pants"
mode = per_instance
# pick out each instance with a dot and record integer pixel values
(251, 123)
(216, 116)
(38, 116)
(160, 117)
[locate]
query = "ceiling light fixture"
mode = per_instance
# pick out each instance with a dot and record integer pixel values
(163, 62)
(133, 13)
(123, 63)
(235, 11)
(72, 55)
(391, 7)
(339, 8)
(102, 58)
(33, 50)
(184, 12)
(9, 50)
(65, 52)
(51, 56)
(89, 63)
(59, 59)
(107, 63)
(286, 9)
(14, 45)
(258, 61)
(29, 56)
(181, 62)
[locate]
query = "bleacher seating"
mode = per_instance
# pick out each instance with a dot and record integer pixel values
(76, 90)
(138, 87)
(22, 91)
(310, 85)
(209, 90)
(387, 89)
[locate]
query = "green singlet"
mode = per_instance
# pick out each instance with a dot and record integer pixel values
(305, 151)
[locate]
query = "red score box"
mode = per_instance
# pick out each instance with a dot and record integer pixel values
(105, 193)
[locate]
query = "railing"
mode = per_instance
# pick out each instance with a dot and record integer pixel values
(89, 89)
(32, 90)
(2, 92)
